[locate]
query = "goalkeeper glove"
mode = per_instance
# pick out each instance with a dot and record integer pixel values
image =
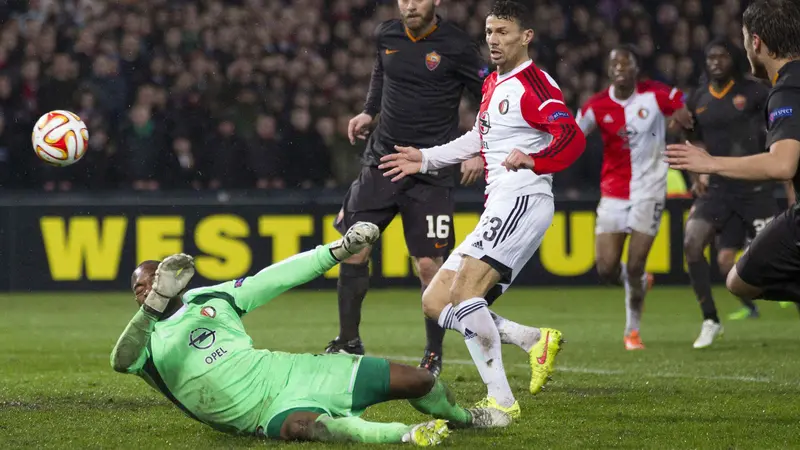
(357, 238)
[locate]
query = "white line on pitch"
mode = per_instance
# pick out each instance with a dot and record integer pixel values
(589, 370)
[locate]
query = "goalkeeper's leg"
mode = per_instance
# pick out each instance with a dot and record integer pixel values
(309, 426)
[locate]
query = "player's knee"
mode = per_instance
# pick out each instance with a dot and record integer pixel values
(738, 287)
(608, 271)
(360, 257)
(427, 268)
(433, 301)
(301, 429)
(693, 248)
(421, 382)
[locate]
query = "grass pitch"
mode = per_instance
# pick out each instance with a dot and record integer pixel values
(57, 389)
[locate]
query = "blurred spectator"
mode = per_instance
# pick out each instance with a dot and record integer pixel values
(225, 157)
(265, 156)
(150, 77)
(141, 148)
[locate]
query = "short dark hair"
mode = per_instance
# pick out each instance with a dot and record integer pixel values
(776, 23)
(627, 48)
(150, 262)
(513, 10)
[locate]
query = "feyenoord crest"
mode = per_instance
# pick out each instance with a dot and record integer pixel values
(643, 113)
(209, 312)
(503, 107)
(483, 123)
(740, 101)
(432, 60)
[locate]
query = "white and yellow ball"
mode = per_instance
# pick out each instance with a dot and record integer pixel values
(60, 138)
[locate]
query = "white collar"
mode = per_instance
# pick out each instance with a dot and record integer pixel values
(516, 70)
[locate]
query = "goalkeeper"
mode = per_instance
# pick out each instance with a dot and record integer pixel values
(192, 347)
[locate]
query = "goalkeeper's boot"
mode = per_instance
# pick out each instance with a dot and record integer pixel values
(513, 411)
(710, 331)
(432, 362)
(488, 418)
(427, 434)
(633, 341)
(351, 347)
(542, 357)
(744, 313)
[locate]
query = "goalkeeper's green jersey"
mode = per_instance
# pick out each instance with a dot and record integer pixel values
(203, 361)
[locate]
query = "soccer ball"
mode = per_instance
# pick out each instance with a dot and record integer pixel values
(60, 138)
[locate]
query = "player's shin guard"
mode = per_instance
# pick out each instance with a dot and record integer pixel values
(441, 404)
(483, 343)
(354, 429)
(516, 334)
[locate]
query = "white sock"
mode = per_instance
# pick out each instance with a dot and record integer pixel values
(483, 343)
(633, 314)
(447, 319)
(514, 333)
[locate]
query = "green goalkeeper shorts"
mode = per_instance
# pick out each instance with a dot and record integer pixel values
(336, 384)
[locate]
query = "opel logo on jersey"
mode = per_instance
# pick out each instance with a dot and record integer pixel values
(432, 60)
(202, 338)
(483, 123)
(503, 107)
(643, 113)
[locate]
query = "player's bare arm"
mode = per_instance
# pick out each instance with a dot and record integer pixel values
(410, 160)
(779, 164)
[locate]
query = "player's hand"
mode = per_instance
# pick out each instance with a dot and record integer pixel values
(359, 127)
(471, 170)
(518, 160)
(700, 185)
(683, 118)
(173, 274)
(407, 161)
(690, 157)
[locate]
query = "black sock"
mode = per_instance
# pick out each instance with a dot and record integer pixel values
(700, 275)
(352, 288)
(748, 304)
(434, 334)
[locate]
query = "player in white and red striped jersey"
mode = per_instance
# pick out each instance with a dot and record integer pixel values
(525, 133)
(632, 117)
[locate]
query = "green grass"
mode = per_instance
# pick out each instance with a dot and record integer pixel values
(57, 389)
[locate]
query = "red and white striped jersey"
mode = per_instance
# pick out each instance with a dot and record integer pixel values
(521, 109)
(634, 138)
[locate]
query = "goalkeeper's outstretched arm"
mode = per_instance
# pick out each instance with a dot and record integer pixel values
(276, 279)
(130, 352)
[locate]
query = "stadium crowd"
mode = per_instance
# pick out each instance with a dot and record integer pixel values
(258, 93)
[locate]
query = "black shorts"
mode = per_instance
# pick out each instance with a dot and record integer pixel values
(736, 219)
(426, 210)
(773, 257)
